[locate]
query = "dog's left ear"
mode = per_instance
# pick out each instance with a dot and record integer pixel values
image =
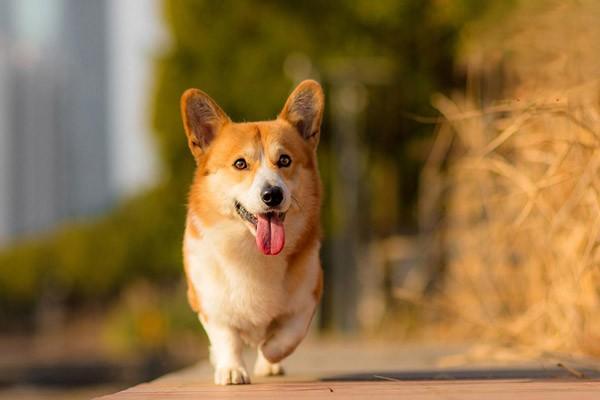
(304, 110)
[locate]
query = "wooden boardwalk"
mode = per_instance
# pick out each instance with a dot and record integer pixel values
(350, 371)
(426, 390)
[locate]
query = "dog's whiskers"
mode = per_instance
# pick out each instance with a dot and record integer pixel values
(294, 199)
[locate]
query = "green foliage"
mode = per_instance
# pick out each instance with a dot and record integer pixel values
(235, 51)
(93, 260)
(150, 319)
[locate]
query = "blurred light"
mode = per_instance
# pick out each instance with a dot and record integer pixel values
(350, 98)
(297, 66)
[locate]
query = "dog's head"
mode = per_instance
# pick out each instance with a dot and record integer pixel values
(259, 173)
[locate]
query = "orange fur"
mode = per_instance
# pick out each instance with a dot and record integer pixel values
(192, 297)
(318, 290)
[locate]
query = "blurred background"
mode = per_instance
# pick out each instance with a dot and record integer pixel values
(459, 156)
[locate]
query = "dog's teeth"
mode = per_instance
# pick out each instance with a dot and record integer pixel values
(245, 214)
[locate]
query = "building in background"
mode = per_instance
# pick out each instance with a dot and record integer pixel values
(74, 89)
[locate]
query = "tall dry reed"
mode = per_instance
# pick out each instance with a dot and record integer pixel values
(512, 187)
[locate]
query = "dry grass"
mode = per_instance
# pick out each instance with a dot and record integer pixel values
(517, 172)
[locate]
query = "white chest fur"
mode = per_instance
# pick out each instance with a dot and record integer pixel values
(236, 285)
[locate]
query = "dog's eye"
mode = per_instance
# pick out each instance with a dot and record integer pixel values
(240, 163)
(284, 161)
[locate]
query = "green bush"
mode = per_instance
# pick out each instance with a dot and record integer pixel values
(93, 260)
(235, 51)
(148, 318)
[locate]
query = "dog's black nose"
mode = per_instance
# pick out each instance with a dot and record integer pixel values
(272, 196)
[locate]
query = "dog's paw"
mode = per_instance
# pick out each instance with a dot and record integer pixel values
(265, 368)
(276, 350)
(231, 376)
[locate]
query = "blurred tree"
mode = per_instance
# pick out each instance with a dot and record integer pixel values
(237, 52)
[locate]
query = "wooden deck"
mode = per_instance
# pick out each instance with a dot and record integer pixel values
(350, 371)
(426, 390)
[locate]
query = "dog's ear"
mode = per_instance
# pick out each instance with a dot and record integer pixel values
(304, 110)
(202, 119)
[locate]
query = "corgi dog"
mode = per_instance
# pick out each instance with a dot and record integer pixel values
(252, 236)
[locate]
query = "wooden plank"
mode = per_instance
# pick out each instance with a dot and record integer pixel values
(419, 390)
(359, 370)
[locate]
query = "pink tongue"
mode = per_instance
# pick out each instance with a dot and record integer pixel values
(270, 235)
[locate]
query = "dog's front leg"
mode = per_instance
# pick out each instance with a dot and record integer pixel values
(264, 367)
(226, 354)
(287, 334)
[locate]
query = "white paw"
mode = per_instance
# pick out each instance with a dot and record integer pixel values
(231, 376)
(276, 350)
(267, 369)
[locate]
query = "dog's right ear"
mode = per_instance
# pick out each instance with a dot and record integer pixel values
(202, 119)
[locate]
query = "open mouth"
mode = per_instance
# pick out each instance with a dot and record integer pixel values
(251, 218)
(268, 227)
(245, 214)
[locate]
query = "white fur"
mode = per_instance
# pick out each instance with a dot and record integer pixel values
(242, 291)
(251, 198)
